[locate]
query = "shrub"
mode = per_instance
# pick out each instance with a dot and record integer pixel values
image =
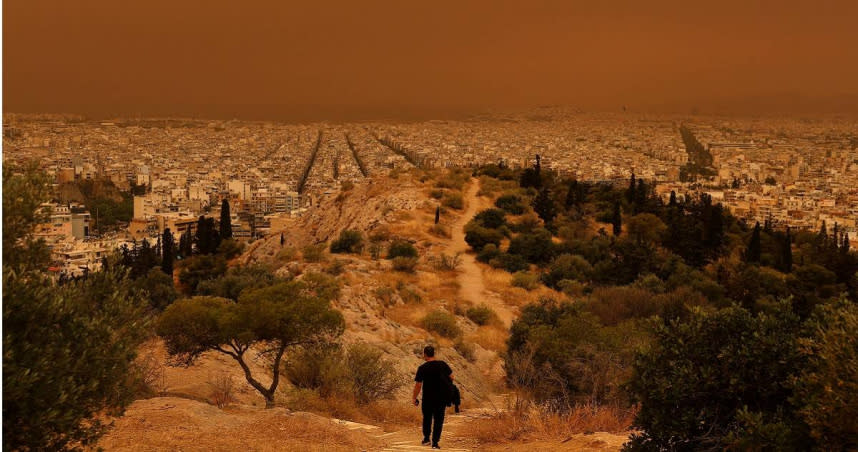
(198, 269)
(827, 388)
(453, 201)
(436, 193)
(439, 230)
(488, 253)
(320, 367)
(442, 323)
(701, 380)
(561, 355)
(336, 267)
(491, 218)
(478, 237)
(409, 295)
(567, 267)
(230, 248)
(512, 204)
(404, 264)
(372, 377)
(466, 349)
(385, 295)
(510, 262)
(525, 280)
(314, 253)
(481, 315)
(536, 247)
(350, 241)
(221, 389)
(447, 262)
(401, 248)
(237, 280)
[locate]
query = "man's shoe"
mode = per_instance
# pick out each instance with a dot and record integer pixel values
(425, 442)
(436, 446)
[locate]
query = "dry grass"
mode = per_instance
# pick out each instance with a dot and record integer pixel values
(491, 337)
(388, 414)
(537, 424)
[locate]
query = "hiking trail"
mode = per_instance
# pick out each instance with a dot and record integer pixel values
(472, 285)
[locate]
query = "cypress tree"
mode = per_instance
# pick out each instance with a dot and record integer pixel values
(282, 239)
(188, 244)
(201, 236)
(630, 194)
(544, 206)
(787, 252)
(617, 219)
(168, 252)
(571, 194)
(752, 253)
(437, 214)
(672, 202)
(225, 221)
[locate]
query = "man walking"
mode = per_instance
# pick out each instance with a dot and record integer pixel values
(435, 378)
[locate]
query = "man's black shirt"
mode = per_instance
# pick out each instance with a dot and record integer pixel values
(434, 374)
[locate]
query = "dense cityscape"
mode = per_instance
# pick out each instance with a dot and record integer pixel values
(787, 172)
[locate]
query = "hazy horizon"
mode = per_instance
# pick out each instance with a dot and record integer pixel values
(336, 61)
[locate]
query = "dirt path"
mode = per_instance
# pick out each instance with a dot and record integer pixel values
(470, 277)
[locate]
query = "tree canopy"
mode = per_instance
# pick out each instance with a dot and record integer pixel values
(271, 318)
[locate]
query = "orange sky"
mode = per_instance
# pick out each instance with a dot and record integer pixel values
(366, 59)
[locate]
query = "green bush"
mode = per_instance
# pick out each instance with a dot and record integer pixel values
(481, 315)
(567, 267)
(372, 376)
(238, 279)
(453, 201)
(442, 323)
(198, 269)
(350, 241)
(488, 253)
(320, 368)
(525, 280)
(478, 237)
(535, 247)
(401, 248)
(562, 356)
(512, 204)
(827, 387)
(718, 380)
(510, 262)
(491, 218)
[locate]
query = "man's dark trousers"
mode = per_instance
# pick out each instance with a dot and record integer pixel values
(433, 411)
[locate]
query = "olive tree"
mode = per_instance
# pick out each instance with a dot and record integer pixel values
(269, 320)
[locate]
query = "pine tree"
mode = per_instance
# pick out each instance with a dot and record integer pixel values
(225, 221)
(752, 253)
(168, 252)
(543, 205)
(617, 219)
